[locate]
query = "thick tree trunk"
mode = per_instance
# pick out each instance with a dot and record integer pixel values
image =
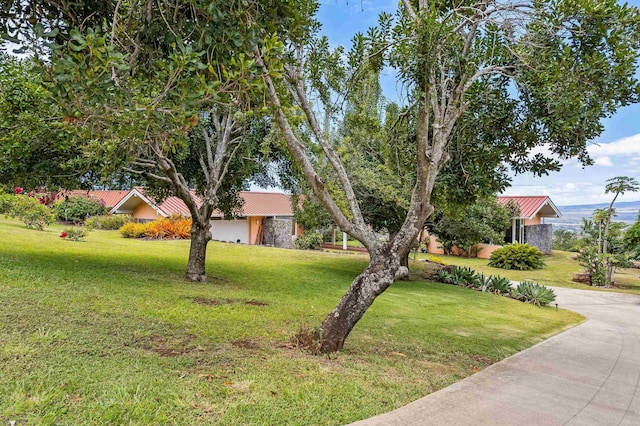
(382, 271)
(200, 236)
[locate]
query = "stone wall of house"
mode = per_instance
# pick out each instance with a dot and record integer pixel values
(540, 236)
(277, 233)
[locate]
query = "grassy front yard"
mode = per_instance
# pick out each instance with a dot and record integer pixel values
(107, 332)
(558, 272)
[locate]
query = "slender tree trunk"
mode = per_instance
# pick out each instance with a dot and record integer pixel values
(605, 243)
(382, 271)
(200, 236)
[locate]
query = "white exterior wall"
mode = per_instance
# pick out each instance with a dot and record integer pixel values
(230, 230)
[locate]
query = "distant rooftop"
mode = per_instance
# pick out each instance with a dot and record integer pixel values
(531, 205)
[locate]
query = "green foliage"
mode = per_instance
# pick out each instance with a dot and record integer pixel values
(309, 240)
(457, 276)
(77, 209)
(591, 260)
(565, 240)
(499, 285)
(483, 221)
(311, 214)
(75, 233)
(526, 291)
(631, 240)
(110, 222)
(37, 149)
(30, 211)
(517, 256)
(533, 293)
(5, 202)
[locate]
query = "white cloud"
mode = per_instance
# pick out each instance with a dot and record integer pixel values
(603, 161)
(626, 146)
(570, 193)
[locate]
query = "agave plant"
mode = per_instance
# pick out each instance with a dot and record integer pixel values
(536, 294)
(500, 285)
(463, 277)
(484, 283)
(444, 276)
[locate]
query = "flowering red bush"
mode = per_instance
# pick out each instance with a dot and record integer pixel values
(19, 190)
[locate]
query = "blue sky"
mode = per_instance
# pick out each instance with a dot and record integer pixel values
(616, 152)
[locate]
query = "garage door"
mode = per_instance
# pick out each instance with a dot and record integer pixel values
(230, 230)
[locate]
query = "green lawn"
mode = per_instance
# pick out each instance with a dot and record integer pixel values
(107, 332)
(560, 268)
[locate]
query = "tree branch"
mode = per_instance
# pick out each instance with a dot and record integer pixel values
(333, 158)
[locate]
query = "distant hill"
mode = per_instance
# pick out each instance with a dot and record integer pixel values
(571, 219)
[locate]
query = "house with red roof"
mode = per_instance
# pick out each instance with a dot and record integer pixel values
(528, 227)
(265, 217)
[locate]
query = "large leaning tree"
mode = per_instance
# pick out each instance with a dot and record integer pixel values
(165, 90)
(555, 69)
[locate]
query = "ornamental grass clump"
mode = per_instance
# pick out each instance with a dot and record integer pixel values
(517, 256)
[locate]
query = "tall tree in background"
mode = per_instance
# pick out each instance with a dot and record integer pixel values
(531, 59)
(617, 185)
(163, 89)
(37, 149)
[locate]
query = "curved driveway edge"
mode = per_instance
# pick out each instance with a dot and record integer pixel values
(588, 375)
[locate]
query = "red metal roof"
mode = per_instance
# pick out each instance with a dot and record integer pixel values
(266, 204)
(109, 197)
(529, 205)
(255, 204)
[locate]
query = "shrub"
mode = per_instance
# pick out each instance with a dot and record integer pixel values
(536, 294)
(5, 203)
(174, 227)
(30, 211)
(309, 241)
(77, 209)
(74, 233)
(517, 256)
(594, 265)
(110, 222)
(133, 230)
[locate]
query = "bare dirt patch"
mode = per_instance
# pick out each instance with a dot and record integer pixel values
(211, 302)
(170, 346)
(256, 303)
(246, 344)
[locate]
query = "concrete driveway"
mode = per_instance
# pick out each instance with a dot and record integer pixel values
(588, 375)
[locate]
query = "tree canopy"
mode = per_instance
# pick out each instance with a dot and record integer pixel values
(488, 82)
